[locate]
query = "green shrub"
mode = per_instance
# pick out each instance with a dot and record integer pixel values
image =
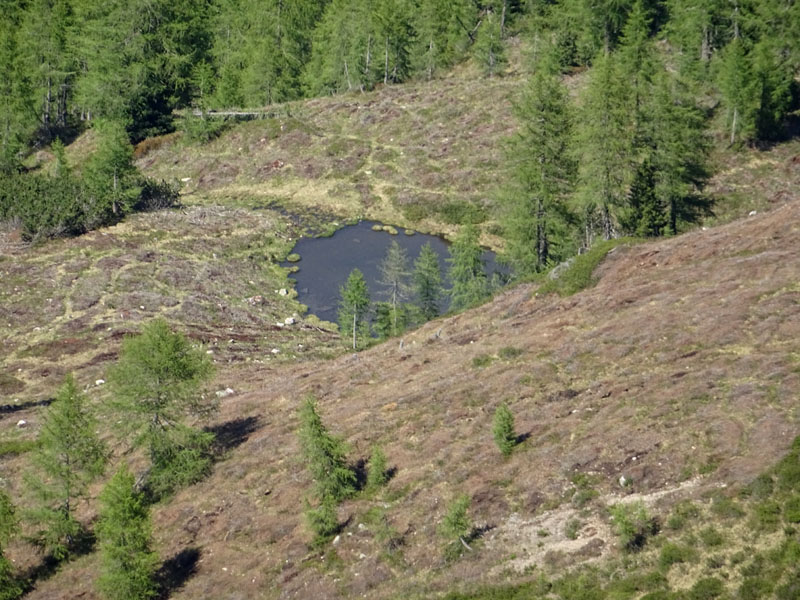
(682, 512)
(509, 352)
(482, 360)
(461, 212)
(572, 528)
(766, 515)
(12, 447)
(578, 275)
(633, 524)
(672, 554)
(711, 537)
(204, 130)
(727, 508)
(753, 588)
(706, 589)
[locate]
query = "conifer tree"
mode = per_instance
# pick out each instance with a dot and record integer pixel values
(325, 455)
(503, 429)
(489, 46)
(157, 382)
(111, 181)
(395, 273)
(354, 304)
(456, 527)
(466, 272)
(739, 92)
(124, 537)
(10, 587)
(334, 481)
(443, 29)
(376, 475)
(542, 169)
(428, 282)
(679, 150)
(604, 147)
(68, 457)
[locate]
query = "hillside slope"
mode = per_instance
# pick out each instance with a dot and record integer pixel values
(680, 370)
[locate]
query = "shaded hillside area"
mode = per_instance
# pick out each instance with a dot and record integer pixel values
(679, 370)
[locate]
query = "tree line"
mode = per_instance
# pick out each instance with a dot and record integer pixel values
(413, 296)
(157, 383)
(626, 153)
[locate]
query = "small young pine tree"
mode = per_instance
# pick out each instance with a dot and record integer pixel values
(9, 585)
(68, 457)
(353, 308)
(376, 475)
(503, 429)
(428, 282)
(124, 537)
(322, 520)
(456, 526)
(325, 455)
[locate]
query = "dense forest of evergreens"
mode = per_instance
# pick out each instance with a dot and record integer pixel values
(624, 155)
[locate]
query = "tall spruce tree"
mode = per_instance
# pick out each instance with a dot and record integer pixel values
(128, 563)
(739, 92)
(428, 282)
(535, 211)
(604, 148)
(489, 49)
(68, 457)
(679, 154)
(354, 305)
(466, 273)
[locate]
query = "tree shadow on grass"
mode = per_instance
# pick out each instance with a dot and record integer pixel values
(6, 409)
(176, 571)
(231, 434)
(84, 543)
(522, 437)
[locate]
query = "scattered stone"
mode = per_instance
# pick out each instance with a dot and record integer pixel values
(275, 351)
(377, 227)
(186, 179)
(336, 540)
(100, 382)
(624, 481)
(409, 232)
(22, 423)
(253, 300)
(283, 292)
(289, 321)
(752, 213)
(224, 393)
(361, 527)
(209, 352)
(362, 556)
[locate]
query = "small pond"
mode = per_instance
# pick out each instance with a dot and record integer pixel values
(326, 263)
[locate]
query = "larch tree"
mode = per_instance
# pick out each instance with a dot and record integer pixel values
(466, 273)
(354, 305)
(541, 172)
(428, 282)
(10, 587)
(124, 536)
(157, 383)
(68, 457)
(679, 154)
(395, 273)
(603, 147)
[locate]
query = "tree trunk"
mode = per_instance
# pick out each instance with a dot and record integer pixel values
(733, 125)
(503, 20)
(705, 48)
(355, 313)
(386, 62)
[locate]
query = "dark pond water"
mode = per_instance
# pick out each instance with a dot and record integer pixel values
(326, 263)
